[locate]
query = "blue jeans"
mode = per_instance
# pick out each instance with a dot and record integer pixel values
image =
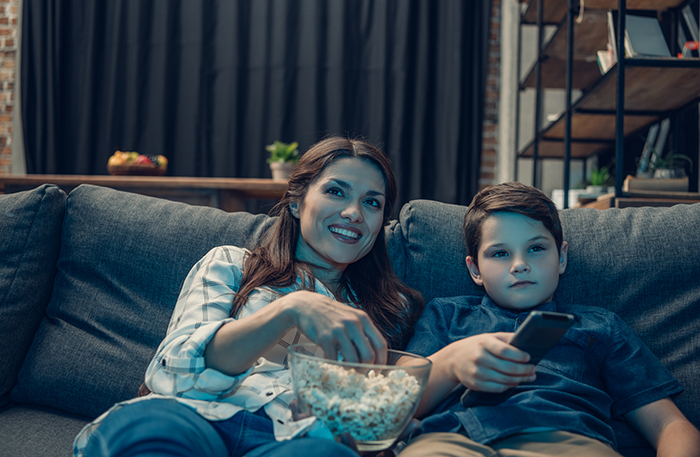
(163, 427)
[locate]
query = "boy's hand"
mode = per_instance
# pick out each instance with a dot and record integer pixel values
(488, 363)
(483, 362)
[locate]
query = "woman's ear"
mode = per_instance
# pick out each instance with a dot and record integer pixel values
(294, 209)
(474, 271)
(563, 257)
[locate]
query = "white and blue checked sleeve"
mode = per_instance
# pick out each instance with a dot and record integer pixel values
(204, 305)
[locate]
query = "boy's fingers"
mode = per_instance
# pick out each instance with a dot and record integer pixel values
(506, 374)
(501, 348)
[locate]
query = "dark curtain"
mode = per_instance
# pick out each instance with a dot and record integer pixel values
(209, 83)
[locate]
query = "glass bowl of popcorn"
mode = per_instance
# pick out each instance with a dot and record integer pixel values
(373, 403)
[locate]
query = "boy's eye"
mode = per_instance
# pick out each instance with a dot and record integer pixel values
(537, 248)
(499, 254)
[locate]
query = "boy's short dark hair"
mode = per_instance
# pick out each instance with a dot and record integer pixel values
(510, 197)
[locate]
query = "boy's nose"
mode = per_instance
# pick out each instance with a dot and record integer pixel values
(520, 266)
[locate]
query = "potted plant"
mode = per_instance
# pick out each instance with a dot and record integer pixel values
(670, 166)
(599, 180)
(283, 158)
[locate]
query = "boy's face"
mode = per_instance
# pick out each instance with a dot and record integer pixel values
(519, 265)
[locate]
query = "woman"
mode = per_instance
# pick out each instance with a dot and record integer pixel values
(321, 273)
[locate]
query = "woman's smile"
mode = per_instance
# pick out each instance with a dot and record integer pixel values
(349, 234)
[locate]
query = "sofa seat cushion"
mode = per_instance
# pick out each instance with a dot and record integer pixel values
(30, 224)
(34, 431)
(122, 262)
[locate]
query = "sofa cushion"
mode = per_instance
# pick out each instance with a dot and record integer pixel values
(122, 262)
(428, 250)
(642, 263)
(27, 268)
(34, 431)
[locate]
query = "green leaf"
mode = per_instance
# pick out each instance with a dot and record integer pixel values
(283, 152)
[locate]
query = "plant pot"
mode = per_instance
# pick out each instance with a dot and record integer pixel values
(669, 173)
(596, 189)
(281, 171)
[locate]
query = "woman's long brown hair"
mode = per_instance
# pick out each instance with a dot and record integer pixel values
(392, 306)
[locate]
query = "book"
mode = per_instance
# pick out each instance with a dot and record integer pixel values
(604, 61)
(612, 35)
(634, 184)
(652, 152)
(648, 150)
(658, 151)
(643, 36)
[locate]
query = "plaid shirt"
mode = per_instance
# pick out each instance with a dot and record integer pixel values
(178, 369)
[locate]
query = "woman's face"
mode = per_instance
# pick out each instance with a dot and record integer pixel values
(341, 215)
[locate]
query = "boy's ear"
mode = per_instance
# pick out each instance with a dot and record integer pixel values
(563, 257)
(474, 271)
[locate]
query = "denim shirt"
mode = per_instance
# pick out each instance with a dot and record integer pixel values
(599, 369)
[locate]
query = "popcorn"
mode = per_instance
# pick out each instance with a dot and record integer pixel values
(370, 407)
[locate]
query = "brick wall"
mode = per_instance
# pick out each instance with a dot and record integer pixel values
(489, 147)
(9, 10)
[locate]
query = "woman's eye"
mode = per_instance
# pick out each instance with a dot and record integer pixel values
(335, 191)
(374, 203)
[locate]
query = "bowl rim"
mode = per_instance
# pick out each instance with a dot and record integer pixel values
(375, 366)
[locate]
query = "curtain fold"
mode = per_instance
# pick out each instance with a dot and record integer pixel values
(209, 83)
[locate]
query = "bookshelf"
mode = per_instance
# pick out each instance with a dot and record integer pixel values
(634, 94)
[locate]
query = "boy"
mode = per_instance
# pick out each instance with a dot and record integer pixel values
(600, 368)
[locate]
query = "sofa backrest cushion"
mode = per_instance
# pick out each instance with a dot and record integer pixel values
(641, 263)
(428, 251)
(30, 232)
(122, 261)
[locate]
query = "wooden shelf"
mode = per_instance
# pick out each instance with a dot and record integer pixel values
(657, 5)
(590, 36)
(554, 11)
(632, 201)
(554, 73)
(651, 93)
(229, 194)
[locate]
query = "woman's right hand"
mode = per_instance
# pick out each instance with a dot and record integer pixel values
(336, 327)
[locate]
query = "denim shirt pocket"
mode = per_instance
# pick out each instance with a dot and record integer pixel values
(568, 357)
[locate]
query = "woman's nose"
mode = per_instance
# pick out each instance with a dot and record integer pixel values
(352, 212)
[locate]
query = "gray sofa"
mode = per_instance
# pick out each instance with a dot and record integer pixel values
(88, 282)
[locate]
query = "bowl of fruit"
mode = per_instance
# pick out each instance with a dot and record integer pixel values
(133, 163)
(373, 403)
